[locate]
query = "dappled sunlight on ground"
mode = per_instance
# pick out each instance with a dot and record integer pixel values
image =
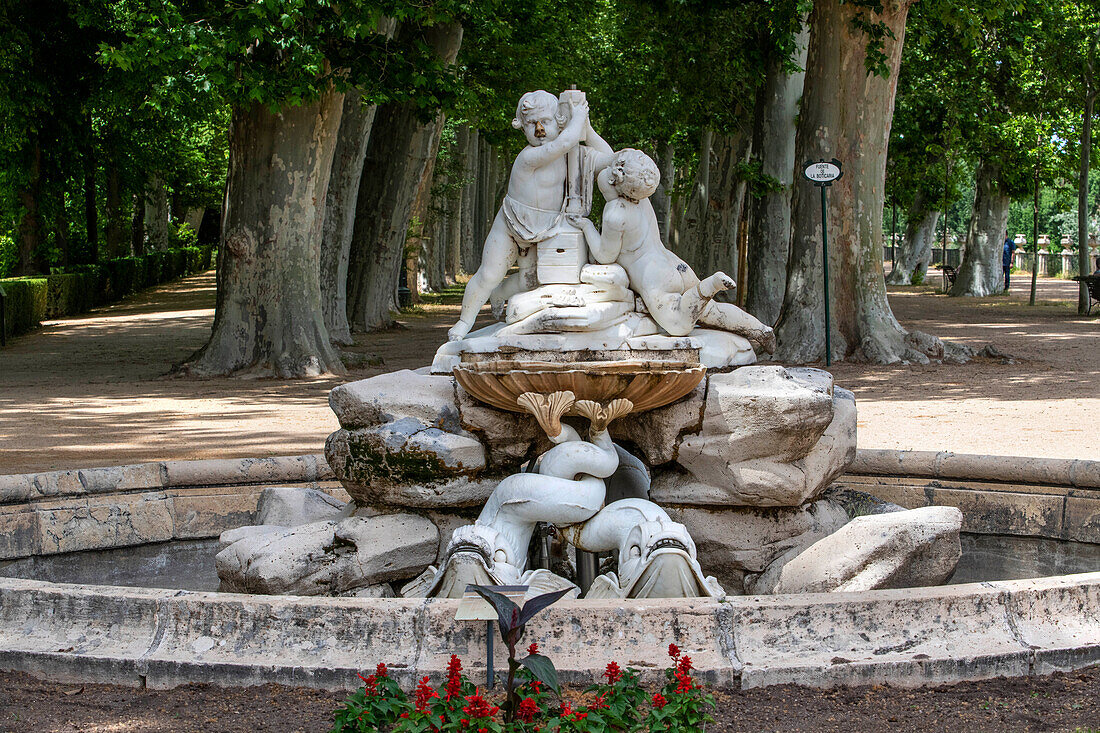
(95, 389)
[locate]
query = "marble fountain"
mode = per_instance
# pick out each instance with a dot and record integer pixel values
(610, 433)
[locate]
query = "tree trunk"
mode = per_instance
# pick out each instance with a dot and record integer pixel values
(399, 154)
(1083, 264)
(726, 199)
(845, 114)
(91, 211)
(116, 222)
(29, 232)
(688, 231)
(137, 226)
(770, 214)
(268, 319)
(156, 213)
(980, 272)
(343, 191)
(471, 247)
(915, 251)
(662, 197)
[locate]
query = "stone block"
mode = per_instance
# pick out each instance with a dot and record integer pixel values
(510, 438)
(1005, 512)
(734, 541)
(330, 557)
(770, 437)
(229, 471)
(657, 433)
(201, 513)
(903, 549)
(395, 395)
(19, 532)
(89, 523)
(1082, 519)
(122, 478)
(290, 506)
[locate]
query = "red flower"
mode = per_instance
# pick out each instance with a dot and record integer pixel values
(478, 707)
(685, 681)
(369, 685)
(659, 700)
(613, 674)
(684, 665)
(673, 651)
(381, 670)
(533, 649)
(424, 695)
(527, 710)
(579, 716)
(454, 678)
(566, 710)
(599, 703)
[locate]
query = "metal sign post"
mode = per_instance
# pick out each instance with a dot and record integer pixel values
(822, 173)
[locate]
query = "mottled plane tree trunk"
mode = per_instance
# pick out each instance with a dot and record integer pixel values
(770, 214)
(268, 319)
(915, 251)
(846, 114)
(401, 151)
(980, 271)
(343, 191)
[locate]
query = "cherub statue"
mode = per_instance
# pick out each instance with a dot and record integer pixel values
(673, 294)
(533, 207)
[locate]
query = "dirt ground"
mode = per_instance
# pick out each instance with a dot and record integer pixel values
(1062, 702)
(93, 390)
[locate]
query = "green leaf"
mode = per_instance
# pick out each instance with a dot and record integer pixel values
(536, 604)
(507, 611)
(543, 670)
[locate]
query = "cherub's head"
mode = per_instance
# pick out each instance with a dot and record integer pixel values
(634, 174)
(537, 115)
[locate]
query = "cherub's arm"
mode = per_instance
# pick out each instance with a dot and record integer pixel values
(605, 247)
(563, 143)
(599, 148)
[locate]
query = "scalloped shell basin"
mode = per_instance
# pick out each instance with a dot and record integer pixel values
(647, 383)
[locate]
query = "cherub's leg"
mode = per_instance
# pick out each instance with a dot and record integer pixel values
(524, 279)
(497, 257)
(731, 318)
(677, 313)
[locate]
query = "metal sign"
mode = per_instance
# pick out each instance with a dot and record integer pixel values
(822, 172)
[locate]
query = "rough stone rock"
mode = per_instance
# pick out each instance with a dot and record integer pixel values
(330, 557)
(904, 549)
(737, 544)
(751, 465)
(457, 492)
(383, 590)
(657, 433)
(370, 461)
(289, 506)
(510, 438)
(395, 395)
(229, 536)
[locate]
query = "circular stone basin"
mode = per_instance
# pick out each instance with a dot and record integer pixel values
(648, 384)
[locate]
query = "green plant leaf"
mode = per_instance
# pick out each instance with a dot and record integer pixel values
(536, 604)
(507, 611)
(543, 670)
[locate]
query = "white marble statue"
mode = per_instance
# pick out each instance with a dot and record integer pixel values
(534, 206)
(656, 555)
(673, 294)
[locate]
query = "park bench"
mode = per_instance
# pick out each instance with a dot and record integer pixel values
(949, 273)
(1093, 283)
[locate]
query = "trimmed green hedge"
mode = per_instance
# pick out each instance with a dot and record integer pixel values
(24, 304)
(29, 300)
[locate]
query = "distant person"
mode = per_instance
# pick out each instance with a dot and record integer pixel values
(1006, 258)
(1097, 271)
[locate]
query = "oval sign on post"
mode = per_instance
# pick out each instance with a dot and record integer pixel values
(823, 172)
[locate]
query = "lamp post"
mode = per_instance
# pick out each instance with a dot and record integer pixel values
(823, 173)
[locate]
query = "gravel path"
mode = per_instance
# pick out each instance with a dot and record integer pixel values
(92, 390)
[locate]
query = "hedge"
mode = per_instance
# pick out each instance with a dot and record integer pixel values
(75, 289)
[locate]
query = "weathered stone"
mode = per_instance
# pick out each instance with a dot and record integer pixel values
(94, 522)
(905, 549)
(371, 461)
(657, 433)
(733, 543)
(509, 437)
(395, 395)
(453, 493)
(230, 536)
(751, 465)
(329, 558)
(290, 506)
